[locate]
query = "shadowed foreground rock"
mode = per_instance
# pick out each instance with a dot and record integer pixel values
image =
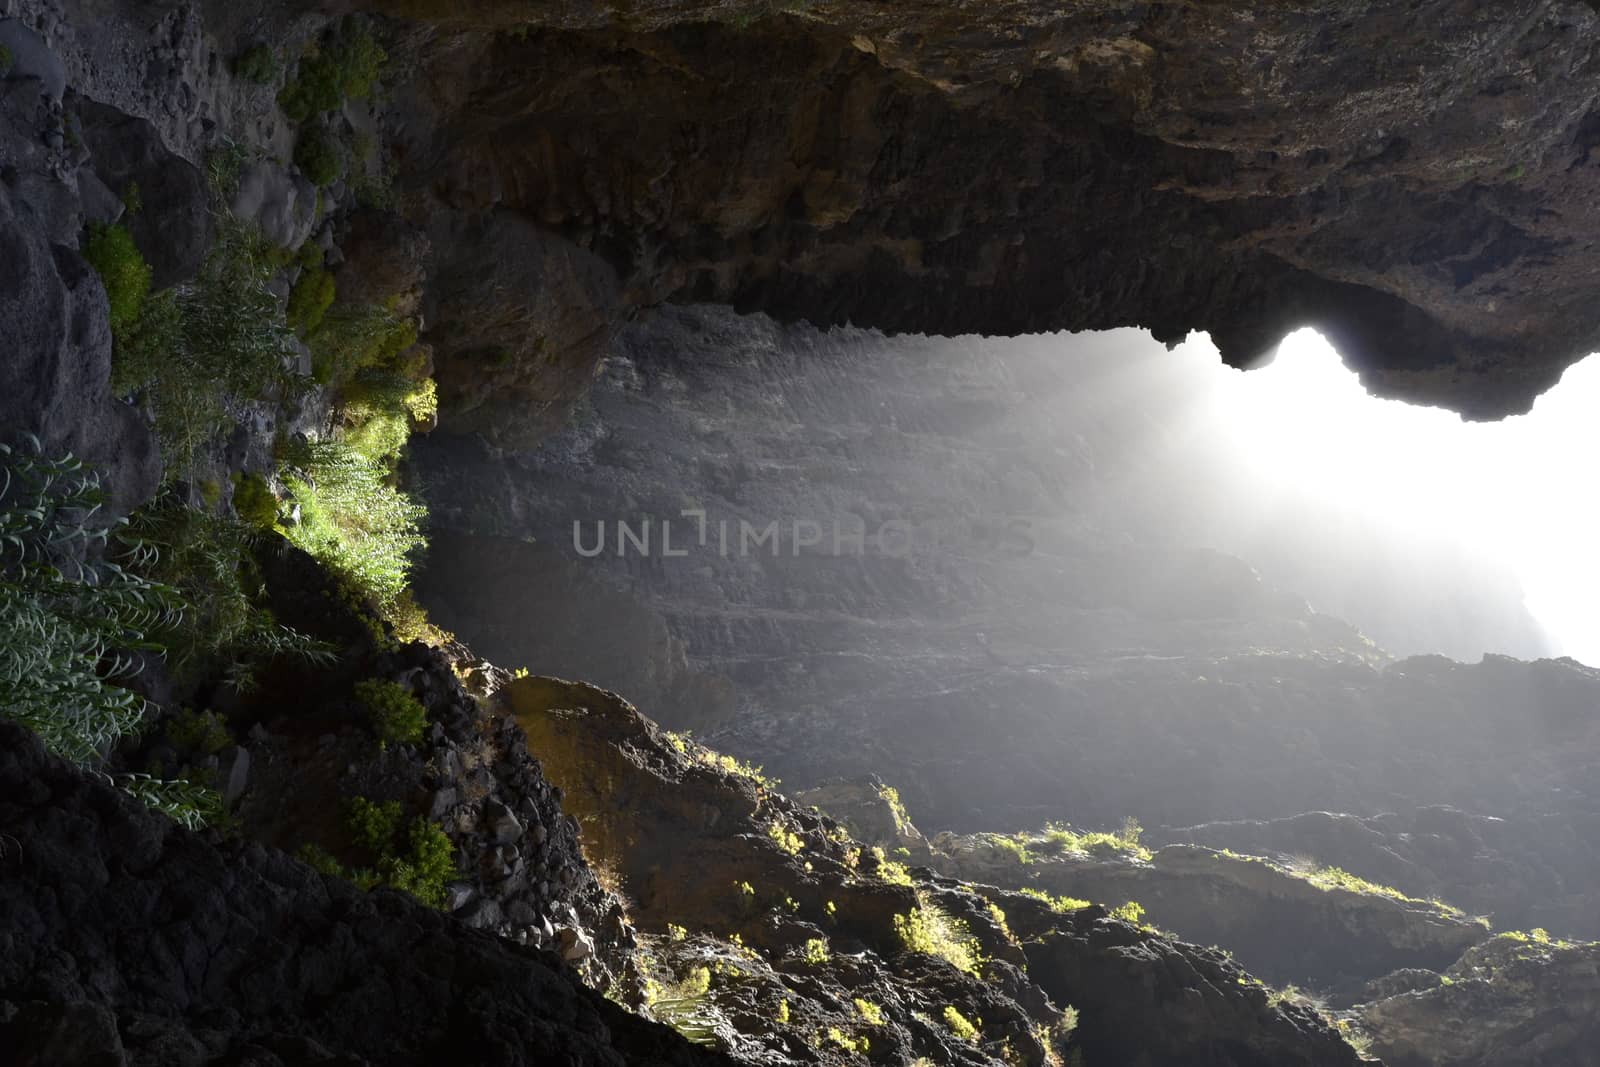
(128, 940)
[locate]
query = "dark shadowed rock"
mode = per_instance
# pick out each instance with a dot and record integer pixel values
(223, 949)
(57, 366)
(173, 225)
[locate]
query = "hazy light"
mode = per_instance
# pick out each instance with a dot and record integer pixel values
(1520, 491)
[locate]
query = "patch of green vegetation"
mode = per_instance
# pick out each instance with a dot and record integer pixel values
(7, 60)
(816, 951)
(209, 560)
(932, 931)
(417, 858)
(197, 347)
(1059, 905)
(870, 1012)
(889, 870)
(68, 627)
(351, 340)
(373, 826)
(201, 732)
(253, 500)
(958, 1024)
(319, 156)
(346, 63)
(1016, 850)
(395, 714)
(258, 64)
(224, 163)
(1131, 912)
(858, 1044)
(785, 839)
(1057, 838)
(123, 272)
(310, 300)
(682, 743)
(891, 796)
(353, 519)
(1537, 936)
(1330, 878)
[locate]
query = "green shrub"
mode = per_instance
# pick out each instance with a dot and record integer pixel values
(258, 64)
(210, 561)
(355, 522)
(960, 1025)
(373, 826)
(309, 300)
(420, 862)
(426, 866)
(66, 627)
(395, 714)
(216, 339)
(200, 732)
(354, 339)
(315, 88)
(319, 156)
(1131, 912)
(124, 273)
(930, 930)
(816, 951)
(253, 500)
(347, 63)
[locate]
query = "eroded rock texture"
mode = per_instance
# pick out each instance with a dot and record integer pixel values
(1415, 180)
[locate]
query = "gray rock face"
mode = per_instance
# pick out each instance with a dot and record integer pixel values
(173, 226)
(57, 373)
(29, 57)
(281, 203)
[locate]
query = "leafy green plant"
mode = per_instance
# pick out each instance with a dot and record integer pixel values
(1059, 905)
(353, 339)
(353, 519)
(202, 344)
(418, 859)
(816, 951)
(209, 560)
(124, 273)
(254, 501)
(319, 156)
(395, 714)
(1131, 912)
(71, 622)
(932, 931)
(309, 300)
(960, 1025)
(347, 63)
(258, 64)
(201, 732)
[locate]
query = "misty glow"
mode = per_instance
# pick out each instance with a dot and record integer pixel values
(1521, 490)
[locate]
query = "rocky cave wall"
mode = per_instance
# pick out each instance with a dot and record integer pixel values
(1411, 179)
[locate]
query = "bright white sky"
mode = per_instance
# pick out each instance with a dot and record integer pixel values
(1522, 490)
